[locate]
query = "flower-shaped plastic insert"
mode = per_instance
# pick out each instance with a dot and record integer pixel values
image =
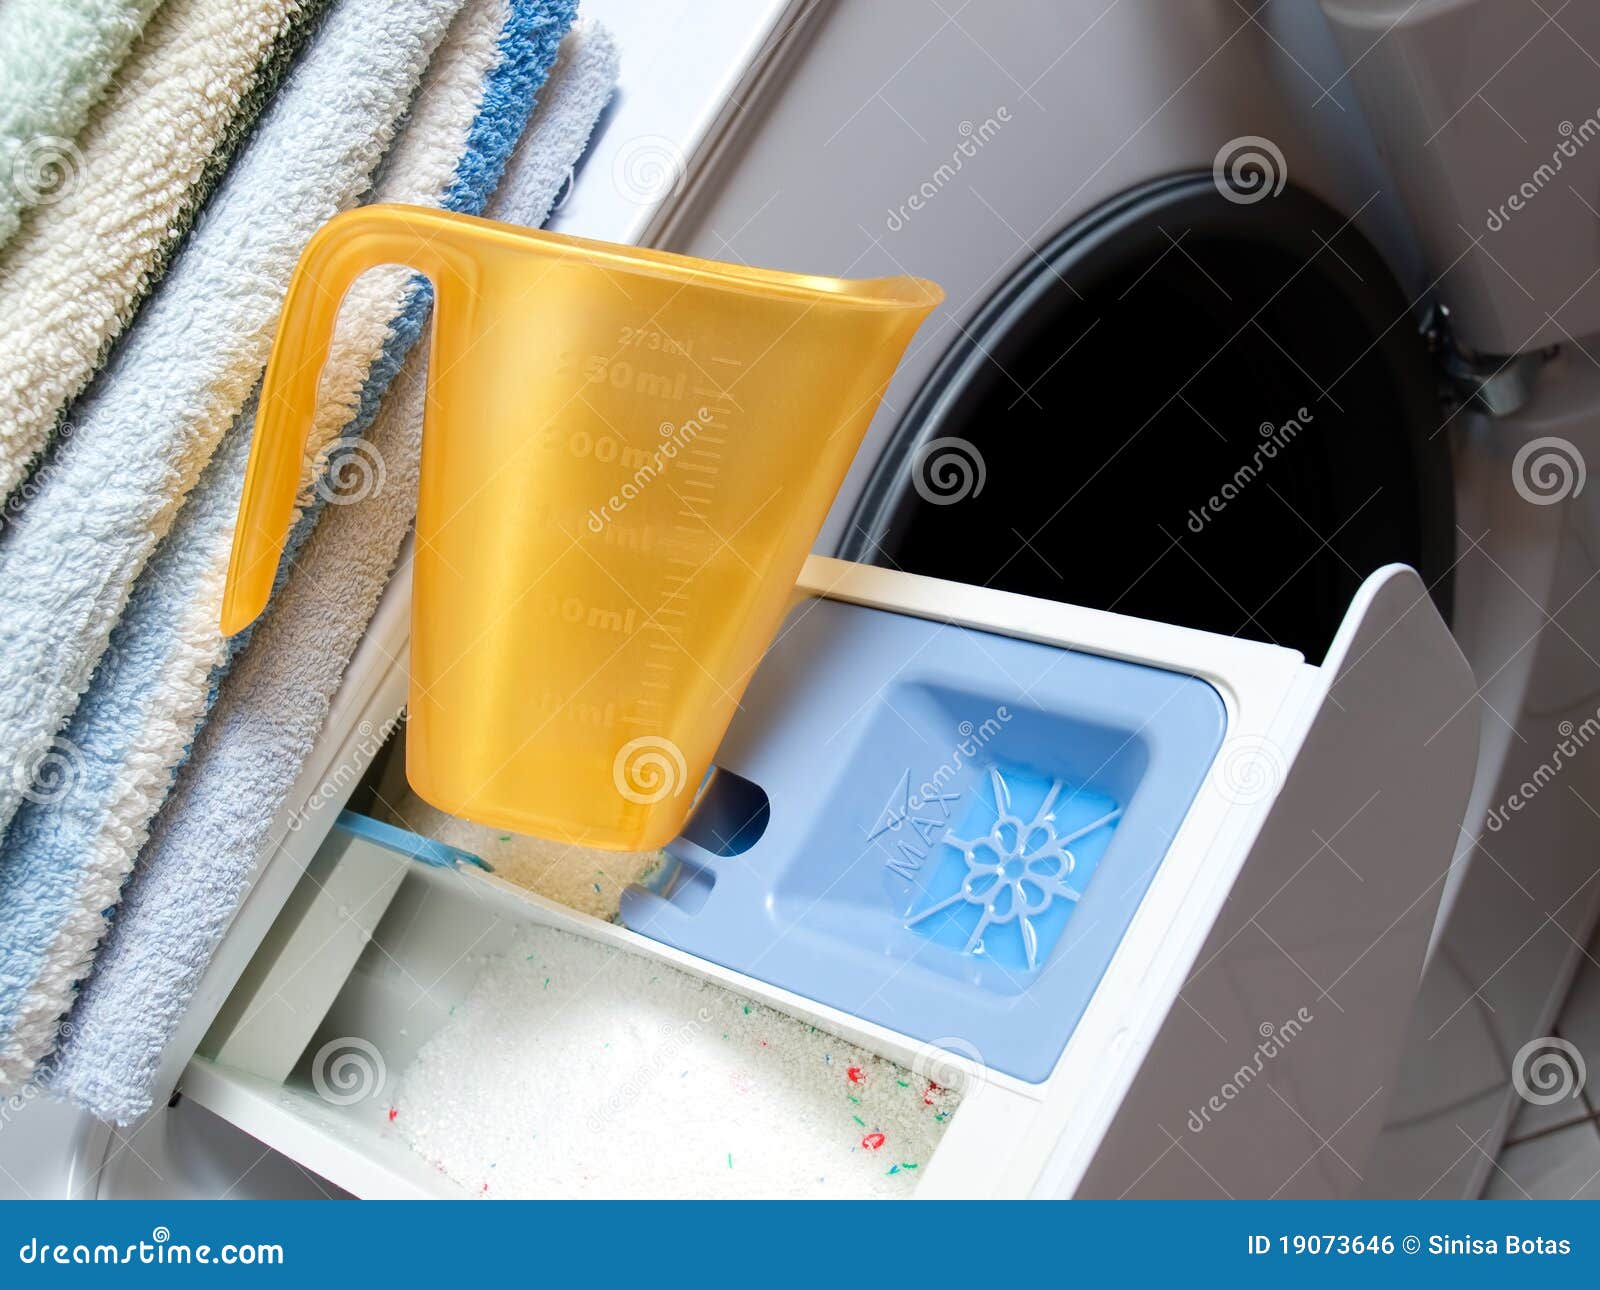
(1024, 871)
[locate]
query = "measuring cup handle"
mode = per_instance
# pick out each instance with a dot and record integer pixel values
(338, 253)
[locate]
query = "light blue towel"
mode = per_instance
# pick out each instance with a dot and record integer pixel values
(151, 692)
(141, 437)
(197, 865)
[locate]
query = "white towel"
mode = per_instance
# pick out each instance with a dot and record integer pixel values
(218, 821)
(145, 429)
(77, 269)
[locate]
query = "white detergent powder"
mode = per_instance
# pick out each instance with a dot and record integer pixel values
(574, 1069)
(583, 878)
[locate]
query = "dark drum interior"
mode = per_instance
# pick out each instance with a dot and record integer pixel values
(1199, 410)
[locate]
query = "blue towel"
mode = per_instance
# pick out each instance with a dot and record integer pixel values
(71, 845)
(231, 793)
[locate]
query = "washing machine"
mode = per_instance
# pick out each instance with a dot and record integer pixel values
(1265, 357)
(1175, 238)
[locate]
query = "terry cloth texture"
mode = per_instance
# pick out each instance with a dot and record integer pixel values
(131, 728)
(142, 708)
(75, 272)
(205, 843)
(146, 428)
(56, 59)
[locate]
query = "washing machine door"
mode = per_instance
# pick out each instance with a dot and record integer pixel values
(1189, 407)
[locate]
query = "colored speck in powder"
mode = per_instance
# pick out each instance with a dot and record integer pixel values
(505, 837)
(893, 1169)
(827, 1059)
(872, 1141)
(855, 1099)
(595, 885)
(902, 1083)
(904, 1165)
(855, 1075)
(927, 1098)
(747, 1009)
(392, 1114)
(859, 1121)
(730, 1160)
(547, 983)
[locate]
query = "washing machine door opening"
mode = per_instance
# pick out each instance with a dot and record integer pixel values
(1185, 407)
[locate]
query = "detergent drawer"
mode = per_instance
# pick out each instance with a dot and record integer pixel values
(1242, 855)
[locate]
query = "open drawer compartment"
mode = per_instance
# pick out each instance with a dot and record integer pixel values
(1260, 851)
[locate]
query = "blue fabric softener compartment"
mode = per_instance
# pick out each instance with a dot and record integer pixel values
(936, 829)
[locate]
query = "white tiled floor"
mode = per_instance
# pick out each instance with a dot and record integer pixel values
(1553, 1152)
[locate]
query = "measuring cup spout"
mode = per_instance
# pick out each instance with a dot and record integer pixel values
(338, 253)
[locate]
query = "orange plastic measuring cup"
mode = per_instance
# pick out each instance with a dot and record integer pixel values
(626, 457)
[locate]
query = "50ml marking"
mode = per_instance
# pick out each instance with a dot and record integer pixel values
(623, 374)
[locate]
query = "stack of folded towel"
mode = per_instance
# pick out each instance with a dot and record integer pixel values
(144, 296)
